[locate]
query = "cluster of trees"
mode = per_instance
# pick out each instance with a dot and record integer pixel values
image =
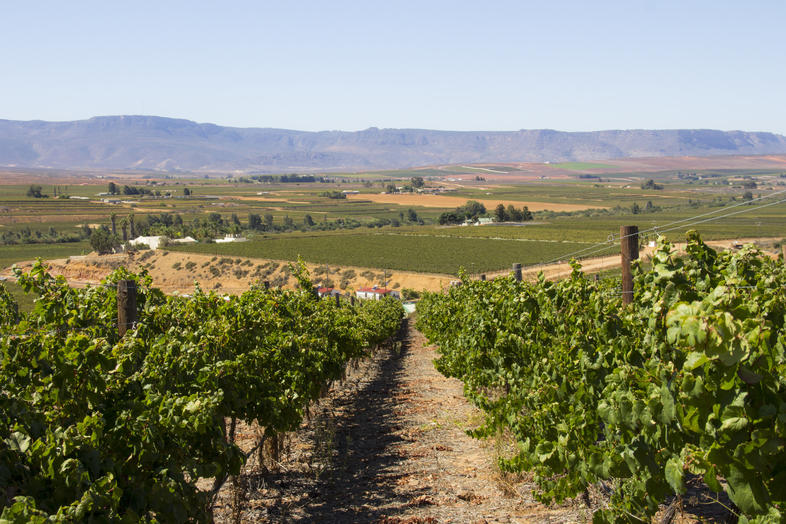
(36, 192)
(103, 241)
(50, 236)
(648, 208)
(291, 178)
(511, 214)
(335, 195)
(650, 184)
(114, 189)
(469, 211)
(416, 182)
(473, 210)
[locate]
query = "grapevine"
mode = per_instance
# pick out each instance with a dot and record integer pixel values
(687, 380)
(95, 427)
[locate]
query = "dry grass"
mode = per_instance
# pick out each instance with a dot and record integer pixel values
(451, 201)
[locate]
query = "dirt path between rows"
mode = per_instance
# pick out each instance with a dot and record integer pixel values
(389, 446)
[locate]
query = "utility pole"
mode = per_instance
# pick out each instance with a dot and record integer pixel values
(126, 306)
(629, 251)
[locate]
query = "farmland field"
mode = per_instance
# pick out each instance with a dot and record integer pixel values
(373, 226)
(425, 253)
(581, 166)
(12, 254)
(445, 202)
(25, 301)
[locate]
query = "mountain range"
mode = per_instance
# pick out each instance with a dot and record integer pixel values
(172, 145)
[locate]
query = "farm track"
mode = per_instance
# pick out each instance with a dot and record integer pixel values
(388, 445)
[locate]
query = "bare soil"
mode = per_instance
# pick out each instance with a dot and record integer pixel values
(451, 201)
(178, 272)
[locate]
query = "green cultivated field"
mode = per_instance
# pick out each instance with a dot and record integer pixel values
(9, 255)
(24, 300)
(425, 253)
(429, 247)
(485, 248)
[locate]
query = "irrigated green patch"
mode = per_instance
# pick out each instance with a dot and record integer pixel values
(9, 255)
(425, 253)
(25, 301)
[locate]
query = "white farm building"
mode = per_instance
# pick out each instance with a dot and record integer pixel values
(376, 293)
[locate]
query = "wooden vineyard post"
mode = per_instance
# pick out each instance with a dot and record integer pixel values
(783, 250)
(266, 284)
(629, 251)
(483, 278)
(126, 306)
(338, 299)
(351, 300)
(517, 272)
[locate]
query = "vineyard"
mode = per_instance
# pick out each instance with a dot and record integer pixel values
(98, 427)
(683, 386)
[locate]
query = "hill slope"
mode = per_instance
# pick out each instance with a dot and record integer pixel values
(167, 144)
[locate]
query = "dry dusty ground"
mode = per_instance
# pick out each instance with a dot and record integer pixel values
(172, 272)
(451, 201)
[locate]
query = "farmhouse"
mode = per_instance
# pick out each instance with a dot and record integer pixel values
(154, 242)
(376, 293)
(230, 238)
(151, 242)
(327, 292)
(184, 240)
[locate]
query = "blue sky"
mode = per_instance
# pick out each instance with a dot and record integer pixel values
(315, 65)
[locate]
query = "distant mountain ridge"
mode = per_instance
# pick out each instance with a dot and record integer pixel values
(168, 144)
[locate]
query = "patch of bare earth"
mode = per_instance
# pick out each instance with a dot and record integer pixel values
(175, 271)
(388, 445)
(451, 201)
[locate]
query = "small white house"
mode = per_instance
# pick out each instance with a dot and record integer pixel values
(376, 293)
(230, 238)
(327, 292)
(154, 242)
(184, 240)
(151, 242)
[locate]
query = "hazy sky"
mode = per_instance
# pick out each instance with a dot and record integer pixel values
(317, 65)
